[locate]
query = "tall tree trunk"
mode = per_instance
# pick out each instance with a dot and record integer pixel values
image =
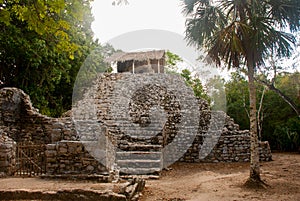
(254, 149)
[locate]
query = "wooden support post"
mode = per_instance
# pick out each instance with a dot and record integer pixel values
(133, 67)
(158, 67)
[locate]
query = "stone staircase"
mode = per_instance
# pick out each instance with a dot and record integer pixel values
(139, 159)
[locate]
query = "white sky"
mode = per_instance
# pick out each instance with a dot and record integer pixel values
(111, 21)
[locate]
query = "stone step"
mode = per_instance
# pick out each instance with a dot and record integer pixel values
(140, 147)
(139, 163)
(143, 136)
(138, 155)
(140, 171)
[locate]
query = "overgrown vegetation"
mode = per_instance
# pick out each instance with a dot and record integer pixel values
(280, 123)
(42, 46)
(195, 84)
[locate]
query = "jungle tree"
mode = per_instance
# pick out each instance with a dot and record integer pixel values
(243, 33)
(42, 46)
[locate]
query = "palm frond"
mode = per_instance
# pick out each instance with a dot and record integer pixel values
(266, 39)
(243, 30)
(286, 13)
(201, 28)
(228, 45)
(189, 6)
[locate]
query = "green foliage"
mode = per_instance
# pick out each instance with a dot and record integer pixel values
(46, 19)
(42, 47)
(281, 126)
(172, 61)
(286, 137)
(237, 97)
(195, 84)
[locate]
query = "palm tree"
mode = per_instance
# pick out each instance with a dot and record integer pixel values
(243, 33)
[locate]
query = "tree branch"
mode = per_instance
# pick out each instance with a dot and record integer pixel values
(260, 114)
(282, 95)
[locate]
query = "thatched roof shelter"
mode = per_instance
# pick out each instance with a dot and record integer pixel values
(148, 61)
(136, 56)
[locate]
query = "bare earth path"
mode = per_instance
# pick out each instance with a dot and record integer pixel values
(223, 181)
(204, 181)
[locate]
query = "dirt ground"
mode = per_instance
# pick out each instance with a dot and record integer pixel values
(223, 181)
(204, 181)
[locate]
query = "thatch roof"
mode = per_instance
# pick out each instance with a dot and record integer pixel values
(136, 56)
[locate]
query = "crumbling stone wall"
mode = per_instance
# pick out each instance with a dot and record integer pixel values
(7, 154)
(102, 111)
(22, 123)
(71, 157)
(233, 146)
(20, 120)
